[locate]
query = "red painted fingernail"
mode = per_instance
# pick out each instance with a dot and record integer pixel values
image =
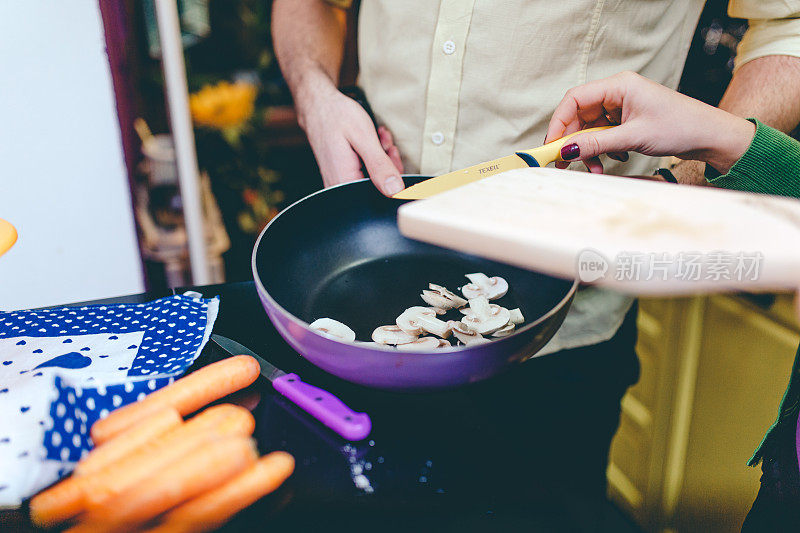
(570, 151)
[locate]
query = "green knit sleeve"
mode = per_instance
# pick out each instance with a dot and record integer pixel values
(771, 165)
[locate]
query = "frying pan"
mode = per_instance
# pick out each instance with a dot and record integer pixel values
(338, 253)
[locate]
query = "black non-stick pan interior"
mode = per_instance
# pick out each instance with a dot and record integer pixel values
(339, 254)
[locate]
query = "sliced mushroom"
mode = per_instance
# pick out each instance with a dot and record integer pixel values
(481, 308)
(440, 328)
(515, 319)
(409, 319)
(372, 344)
(466, 335)
(436, 300)
(443, 343)
(485, 317)
(450, 295)
(418, 319)
(484, 327)
(442, 298)
(482, 285)
(392, 335)
(423, 344)
(505, 331)
(333, 329)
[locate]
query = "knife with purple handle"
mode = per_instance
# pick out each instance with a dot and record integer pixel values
(317, 402)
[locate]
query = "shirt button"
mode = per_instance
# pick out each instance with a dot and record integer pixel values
(449, 47)
(437, 138)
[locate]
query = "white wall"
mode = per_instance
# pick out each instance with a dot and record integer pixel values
(62, 177)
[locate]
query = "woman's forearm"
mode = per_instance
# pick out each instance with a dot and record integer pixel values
(728, 140)
(771, 165)
(767, 88)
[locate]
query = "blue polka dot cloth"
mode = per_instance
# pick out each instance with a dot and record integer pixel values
(63, 369)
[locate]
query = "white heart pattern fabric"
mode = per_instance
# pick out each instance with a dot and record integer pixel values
(62, 369)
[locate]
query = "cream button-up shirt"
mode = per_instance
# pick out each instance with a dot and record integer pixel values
(461, 81)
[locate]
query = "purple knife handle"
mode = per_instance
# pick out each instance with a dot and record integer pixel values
(325, 407)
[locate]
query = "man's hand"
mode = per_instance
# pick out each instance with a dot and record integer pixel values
(342, 136)
(309, 42)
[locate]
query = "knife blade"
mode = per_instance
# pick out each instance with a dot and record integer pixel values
(268, 370)
(536, 157)
(317, 402)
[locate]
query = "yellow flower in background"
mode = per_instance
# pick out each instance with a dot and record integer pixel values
(224, 105)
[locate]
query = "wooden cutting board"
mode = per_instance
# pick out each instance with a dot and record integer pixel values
(637, 236)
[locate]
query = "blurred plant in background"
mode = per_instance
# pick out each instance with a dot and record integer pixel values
(226, 72)
(237, 92)
(223, 106)
(229, 150)
(262, 204)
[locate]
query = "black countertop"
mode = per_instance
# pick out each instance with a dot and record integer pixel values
(459, 460)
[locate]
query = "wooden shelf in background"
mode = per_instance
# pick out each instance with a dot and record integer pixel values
(282, 126)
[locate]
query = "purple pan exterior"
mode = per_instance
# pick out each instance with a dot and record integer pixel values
(411, 371)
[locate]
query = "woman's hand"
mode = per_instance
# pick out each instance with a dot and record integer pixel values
(653, 120)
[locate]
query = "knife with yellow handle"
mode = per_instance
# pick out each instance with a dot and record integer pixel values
(537, 157)
(8, 236)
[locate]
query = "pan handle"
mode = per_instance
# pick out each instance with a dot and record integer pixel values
(325, 407)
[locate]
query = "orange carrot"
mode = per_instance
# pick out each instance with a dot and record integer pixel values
(58, 503)
(215, 507)
(225, 416)
(187, 394)
(87, 527)
(73, 495)
(218, 421)
(204, 469)
(229, 420)
(129, 440)
(68, 498)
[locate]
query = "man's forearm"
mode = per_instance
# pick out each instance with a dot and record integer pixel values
(767, 88)
(309, 44)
